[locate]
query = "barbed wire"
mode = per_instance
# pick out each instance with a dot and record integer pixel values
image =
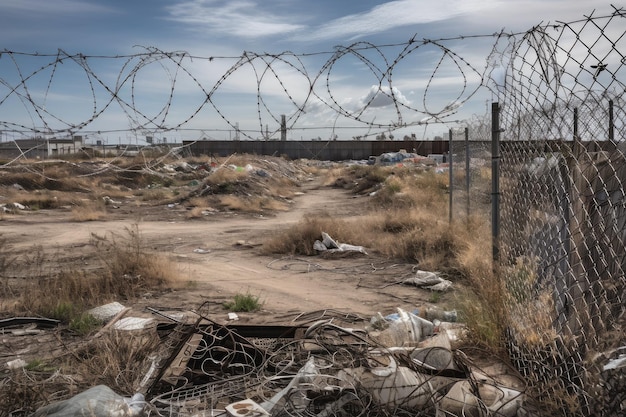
(316, 88)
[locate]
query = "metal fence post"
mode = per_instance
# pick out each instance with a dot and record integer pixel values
(451, 179)
(467, 172)
(611, 122)
(495, 180)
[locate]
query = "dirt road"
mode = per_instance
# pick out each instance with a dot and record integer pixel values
(218, 256)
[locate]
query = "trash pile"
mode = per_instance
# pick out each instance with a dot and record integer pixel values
(324, 363)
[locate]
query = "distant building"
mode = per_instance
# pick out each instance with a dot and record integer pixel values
(41, 147)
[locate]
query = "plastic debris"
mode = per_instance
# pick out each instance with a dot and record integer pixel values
(99, 401)
(324, 364)
(107, 311)
(133, 323)
(201, 250)
(329, 244)
(16, 364)
(108, 200)
(429, 280)
(616, 363)
(407, 330)
(392, 386)
(245, 408)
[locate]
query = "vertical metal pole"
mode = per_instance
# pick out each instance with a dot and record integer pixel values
(575, 124)
(467, 171)
(451, 187)
(611, 122)
(495, 180)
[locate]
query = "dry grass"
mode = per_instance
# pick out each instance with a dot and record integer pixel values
(114, 359)
(258, 204)
(298, 240)
(128, 270)
(226, 175)
(130, 267)
(408, 221)
(89, 211)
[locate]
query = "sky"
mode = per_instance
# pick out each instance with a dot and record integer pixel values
(255, 60)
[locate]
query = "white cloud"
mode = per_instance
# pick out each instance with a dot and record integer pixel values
(241, 18)
(52, 7)
(382, 96)
(395, 14)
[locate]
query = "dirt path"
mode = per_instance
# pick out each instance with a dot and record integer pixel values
(213, 264)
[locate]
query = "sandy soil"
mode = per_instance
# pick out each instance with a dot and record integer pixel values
(218, 256)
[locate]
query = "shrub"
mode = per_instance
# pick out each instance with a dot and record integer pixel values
(83, 324)
(244, 303)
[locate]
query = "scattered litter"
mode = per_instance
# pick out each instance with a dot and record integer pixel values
(133, 323)
(12, 206)
(107, 311)
(392, 386)
(323, 364)
(99, 401)
(108, 200)
(28, 321)
(428, 280)
(618, 363)
(247, 408)
(329, 244)
(407, 330)
(16, 364)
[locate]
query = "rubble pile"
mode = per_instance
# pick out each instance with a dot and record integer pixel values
(324, 363)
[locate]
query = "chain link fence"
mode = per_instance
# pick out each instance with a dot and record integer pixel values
(562, 207)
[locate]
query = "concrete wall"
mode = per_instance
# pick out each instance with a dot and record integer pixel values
(320, 150)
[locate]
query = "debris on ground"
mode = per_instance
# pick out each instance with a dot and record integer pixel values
(323, 363)
(330, 245)
(98, 401)
(428, 280)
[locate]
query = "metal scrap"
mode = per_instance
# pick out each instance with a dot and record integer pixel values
(324, 364)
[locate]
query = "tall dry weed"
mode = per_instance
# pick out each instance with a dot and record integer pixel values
(114, 358)
(129, 267)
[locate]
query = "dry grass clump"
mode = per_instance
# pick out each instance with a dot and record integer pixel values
(114, 359)
(531, 307)
(128, 270)
(358, 178)
(253, 204)
(432, 244)
(299, 239)
(89, 211)
(23, 391)
(111, 359)
(8, 258)
(153, 194)
(224, 176)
